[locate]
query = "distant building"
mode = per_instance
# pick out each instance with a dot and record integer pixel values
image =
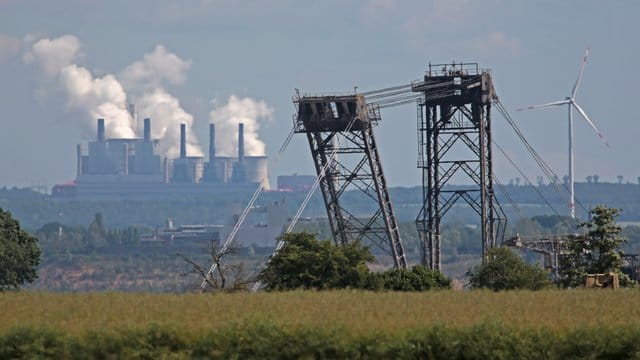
(186, 235)
(119, 168)
(295, 182)
(66, 190)
(262, 227)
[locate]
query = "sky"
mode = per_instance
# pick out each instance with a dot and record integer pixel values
(63, 63)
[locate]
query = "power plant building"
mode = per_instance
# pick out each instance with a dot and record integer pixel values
(129, 168)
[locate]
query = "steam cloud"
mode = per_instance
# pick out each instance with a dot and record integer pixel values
(53, 55)
(154, 69)
(143, 83)
(235, 111)
(144, 79)
(164, 110)
(101, 97)
(105, 97)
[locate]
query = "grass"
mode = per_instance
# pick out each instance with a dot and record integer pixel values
(553, 324)
(353, 311)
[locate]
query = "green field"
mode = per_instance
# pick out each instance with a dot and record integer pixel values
(462, 324)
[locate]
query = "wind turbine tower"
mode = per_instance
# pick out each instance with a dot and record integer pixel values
(571, 104)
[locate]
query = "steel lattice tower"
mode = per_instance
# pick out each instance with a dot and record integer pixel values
(340, 134)
(454, 140)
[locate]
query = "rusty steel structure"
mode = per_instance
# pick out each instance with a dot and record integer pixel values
(339, 130)
(454, 141)
(551, 247)
(554, 247)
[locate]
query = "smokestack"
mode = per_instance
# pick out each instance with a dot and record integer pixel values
(100, 130)
(241, 142)
(183, 141)
(79, 164)
(147, 129)
(212, 142)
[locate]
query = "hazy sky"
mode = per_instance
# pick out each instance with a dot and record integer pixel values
(191, 57)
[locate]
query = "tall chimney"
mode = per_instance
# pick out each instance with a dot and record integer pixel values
(100, 130)
(79, 164)
(183, 141)
(241, 142)
(212, 142)
(147, 129)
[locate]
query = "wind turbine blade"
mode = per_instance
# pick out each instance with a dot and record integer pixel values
(584, 62)
(584, 115)
(555, 103)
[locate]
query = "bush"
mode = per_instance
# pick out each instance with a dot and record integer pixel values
(417, 278)
(263, 340)
(304, 262)
(505, 270)
(307, 263)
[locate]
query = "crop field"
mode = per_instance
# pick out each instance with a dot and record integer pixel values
(446, 324)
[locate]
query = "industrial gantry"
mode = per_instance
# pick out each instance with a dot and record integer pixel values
(454, 141)
(340, 134)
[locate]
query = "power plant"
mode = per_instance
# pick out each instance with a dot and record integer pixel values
(126, 168)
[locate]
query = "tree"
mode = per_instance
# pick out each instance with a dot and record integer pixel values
(598, 253)
(19, 254)
(505, 270)
(95, 237)
(226, 277)
(417, 278)
(304, 262)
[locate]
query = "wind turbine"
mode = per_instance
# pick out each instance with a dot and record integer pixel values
(571, 103)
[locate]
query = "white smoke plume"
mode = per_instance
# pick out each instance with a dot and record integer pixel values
(96, 97)
(166, 115)
(53, 54)
(105, 97)
(235, 111)
(101, 97)
(144, 80)
(154, 69)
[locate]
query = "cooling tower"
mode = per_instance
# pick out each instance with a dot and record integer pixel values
(257, 169)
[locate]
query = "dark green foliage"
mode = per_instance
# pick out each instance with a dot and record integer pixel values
(417, 278)
(505, 270)
(19, 254)
(263, 340)
(598, 253)
(307, 263)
